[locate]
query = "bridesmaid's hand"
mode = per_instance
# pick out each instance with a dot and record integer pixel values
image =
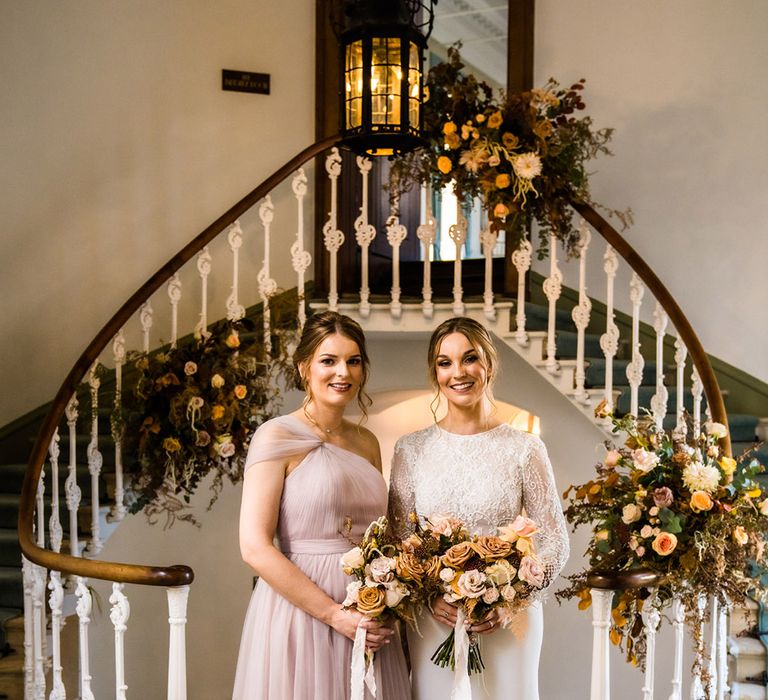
(444, 612)
(490, 623)
(345, 622)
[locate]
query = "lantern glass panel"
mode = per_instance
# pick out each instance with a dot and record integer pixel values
(386, 79)
(353, 84)
(414, 86)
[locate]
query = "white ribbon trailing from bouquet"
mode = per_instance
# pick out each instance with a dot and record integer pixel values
(461, 688)
(362, 672)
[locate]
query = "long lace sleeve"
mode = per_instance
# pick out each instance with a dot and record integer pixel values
(402, 496)
(542, 504)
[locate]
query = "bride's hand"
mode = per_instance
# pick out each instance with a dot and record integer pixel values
(490, 623)
(444, 611)
(345, 622)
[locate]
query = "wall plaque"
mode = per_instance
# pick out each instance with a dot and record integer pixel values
(245, 81)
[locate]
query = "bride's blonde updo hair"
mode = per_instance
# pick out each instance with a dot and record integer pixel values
(480, 339)
(316, 329)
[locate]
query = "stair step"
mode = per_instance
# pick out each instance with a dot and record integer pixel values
(537, 317)
(595, 373)
(11, 587)
(743, 427)
(747, 691)
(10, 551)
(12, 478)
(12, 626)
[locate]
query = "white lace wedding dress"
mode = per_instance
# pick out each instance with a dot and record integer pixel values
(486, 480)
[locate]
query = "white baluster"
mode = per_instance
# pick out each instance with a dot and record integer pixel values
(40, 509)
(118, 510)
(54, 522)
(39, 625)
(71, 489)
(119, 614)
(364, 235)
(332, 236)
(95, 461)
(697, 687)
(146, 319)
(204, 262)
(458, 234)
(651, 618)
(488, 238)
(581, 314)
(712, 664)
(661, 397)
(235, 310)
(697, 389)
(521, 259)
(174, 296)
(637, 364)
(678, 623)
(28, 579)
(681, 353)
(83, 608)
(552, 289)
(601, 624)
(267, 286)
(177, 654)
(55, 600)
(396, 233)
(300, 258)
(722, 653)
(609, 341)
(426, 233)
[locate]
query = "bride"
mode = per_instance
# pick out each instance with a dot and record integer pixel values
(474, 467)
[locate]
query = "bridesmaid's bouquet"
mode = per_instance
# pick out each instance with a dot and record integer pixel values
(480, 574)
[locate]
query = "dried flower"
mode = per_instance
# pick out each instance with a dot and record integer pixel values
(527, 166)
(217, 381)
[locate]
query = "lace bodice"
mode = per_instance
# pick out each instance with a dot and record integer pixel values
(486, 480)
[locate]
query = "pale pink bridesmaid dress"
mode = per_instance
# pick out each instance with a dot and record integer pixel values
(285, 653)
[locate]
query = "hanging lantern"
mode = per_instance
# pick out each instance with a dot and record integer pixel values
(382, 51)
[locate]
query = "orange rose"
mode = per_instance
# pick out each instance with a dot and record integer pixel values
(495, 120)
(490, 548)
(233, 340)
(217, 412)
(240, 391)
(701, 501)
(449, 128)
(502, 181)
(500, 211)
(457, 555)
(664, 544)
(444, 164)
(371, 601)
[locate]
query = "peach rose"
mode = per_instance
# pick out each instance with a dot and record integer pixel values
(490, 548)
(664, 544)
(217, 381)
(612, 458)
(371, 601)
(531, 572)
(502, 181)
(495, 120)
(240, 391)
(501, 211)
(701, 501)
(233, 340)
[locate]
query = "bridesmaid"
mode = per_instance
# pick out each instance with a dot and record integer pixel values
(309, 474)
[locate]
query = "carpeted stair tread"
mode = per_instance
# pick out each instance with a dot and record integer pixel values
(761, 454)
(11, 586)
(10, 552)
(595, 372)
(646, 393)
(567, 342)
(6, 614)
(12, 477)
(537, 317)
(742, 426)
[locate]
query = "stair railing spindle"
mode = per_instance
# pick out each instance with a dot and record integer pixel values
(55, 601)
(39, 627)
(427, 233)
(681, 353)
(521, 259)
(174, 296)
(488, 238)
(146, 319)
(71, 489)
(722, 653)
(601, 623)
(118, 510)
(697, 391)
(651, 618)
(396, 234)
(660, 399)
(609, 341)
(177, 655)
(300, 258)
(458, 234)
(235, 310)
(552, 289)
(83, 607)
(332, 236)
(204, 263)
(581, 314)
(95, 461)
(637, 363)
(267, 285)
(712, 665)
(697, 687)
(678, 623)
(119, 614)
(28, 582)
(364, 235)
(54, 523)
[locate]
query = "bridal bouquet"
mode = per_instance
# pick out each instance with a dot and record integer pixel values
(479, 573)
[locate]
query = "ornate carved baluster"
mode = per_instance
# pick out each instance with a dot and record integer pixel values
(521, 259)
(28, 579)
(681, 353)
(488, 240)
(332, 236)
(458, 234)
(661, 397)
(552, 289)
(609, 341)
(396, 233)
(174, 296)
(637, 364)
(84, 606)
(235, 310)
(146, 319)
(39, 625)
(118, 510)
(54, 522)
(364, 235)
(40, 508)
(697, 389)
(120, 612)
(267, 286)
(426, 233)
(177, 655)
(712, 663)
(651, 618)
(678, 622)
(697, 687)
(601, 623)
(71, 489)
(300, 258)
(55, 600)
(722, 653)
(581, 314)
(95, 461)
(204, 261)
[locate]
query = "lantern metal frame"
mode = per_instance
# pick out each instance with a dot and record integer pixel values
(381, 59)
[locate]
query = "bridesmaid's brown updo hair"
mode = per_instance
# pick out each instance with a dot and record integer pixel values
(480, 339)
(316, 329)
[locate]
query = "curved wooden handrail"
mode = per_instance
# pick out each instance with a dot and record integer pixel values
(620, 580)
(670, 306)
(176, 575)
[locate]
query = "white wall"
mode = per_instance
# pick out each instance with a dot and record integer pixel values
(682, 83)
(118, 146)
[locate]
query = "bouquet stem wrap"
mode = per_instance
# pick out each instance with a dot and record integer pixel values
(461, 688)
(362, 672)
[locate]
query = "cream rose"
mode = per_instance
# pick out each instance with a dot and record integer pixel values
(443, 525)
(643, 460)
(353, 588)
(190, 368)
(501, 572)
(380, 569)
(716, 430)
(217, 381)
(394, 592)
(631, 513)
(508, 593)
(447, 574)
(353, 559)
(664, 544)
(491, 595)
(471, 584)
(612, 458)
